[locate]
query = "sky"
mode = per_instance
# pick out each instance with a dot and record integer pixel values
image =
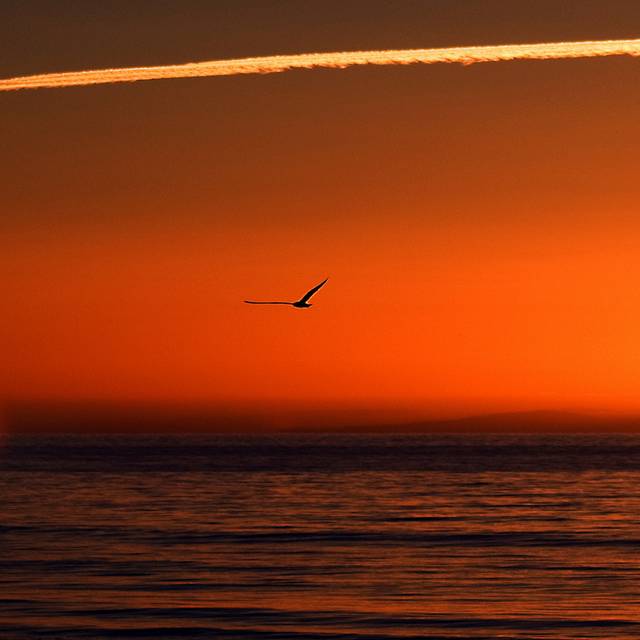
(478, 225)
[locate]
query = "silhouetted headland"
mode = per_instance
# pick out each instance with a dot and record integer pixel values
(94, 418)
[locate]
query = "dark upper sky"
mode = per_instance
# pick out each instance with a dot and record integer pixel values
(42, 36)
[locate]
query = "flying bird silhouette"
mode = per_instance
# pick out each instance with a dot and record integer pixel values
(303, 303)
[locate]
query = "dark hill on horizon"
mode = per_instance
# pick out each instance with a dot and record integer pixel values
(507, 422)
(104, 419)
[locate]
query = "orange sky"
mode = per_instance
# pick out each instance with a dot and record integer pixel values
(478, 225)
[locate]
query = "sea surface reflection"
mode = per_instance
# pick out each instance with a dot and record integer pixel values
(327, 537)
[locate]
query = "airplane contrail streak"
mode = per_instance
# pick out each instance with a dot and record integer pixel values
(280, 63)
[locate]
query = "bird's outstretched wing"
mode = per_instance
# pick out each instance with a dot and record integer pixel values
(309, 293)
(254, 302)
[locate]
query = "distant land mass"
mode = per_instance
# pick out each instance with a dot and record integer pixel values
(508, 422)
(115, 419)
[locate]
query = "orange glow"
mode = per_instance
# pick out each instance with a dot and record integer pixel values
(438, 317)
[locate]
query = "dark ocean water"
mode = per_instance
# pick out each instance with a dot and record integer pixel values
(320, 537)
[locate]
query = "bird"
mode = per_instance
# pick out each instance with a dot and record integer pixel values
(303, 303)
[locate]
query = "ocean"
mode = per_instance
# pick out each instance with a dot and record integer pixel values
(321, 537)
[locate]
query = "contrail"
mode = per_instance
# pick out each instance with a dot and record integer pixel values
(278, 64)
